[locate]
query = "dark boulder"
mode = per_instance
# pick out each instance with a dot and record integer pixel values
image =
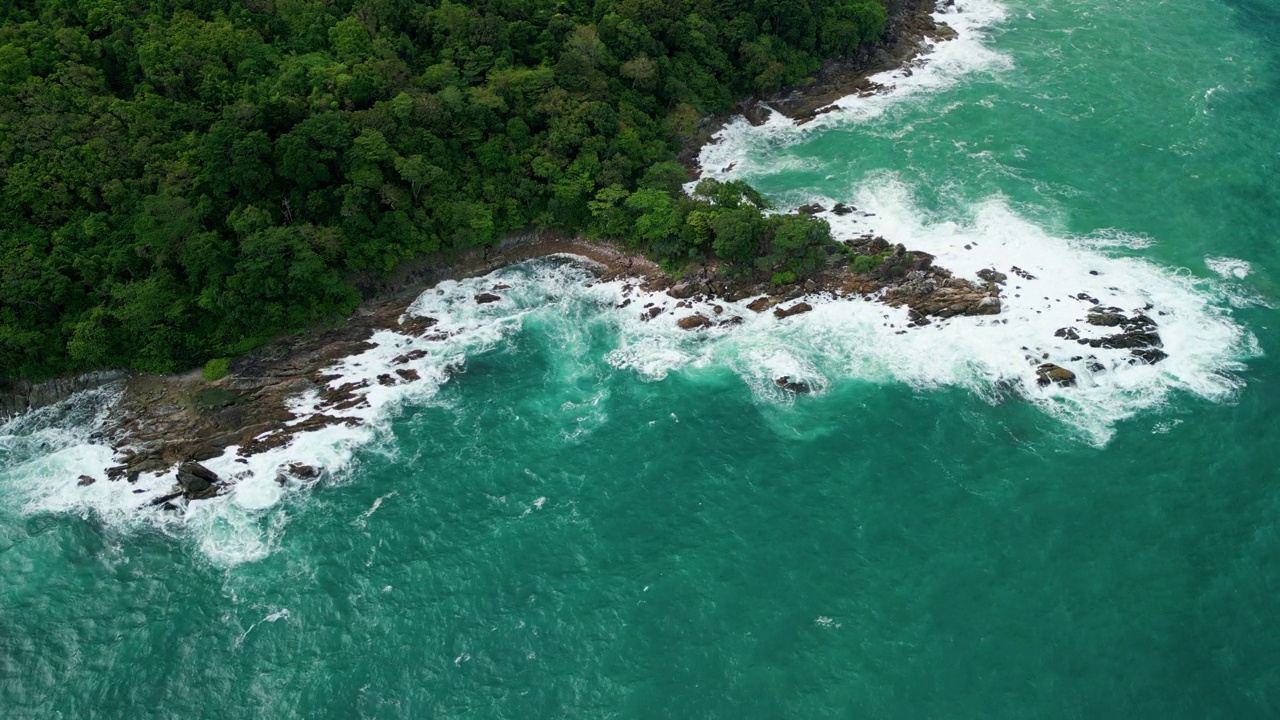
(306, 472)
(485, 298)
(793, 386)
(197, 481)
(1104, 318)
(86, 480)
(1149, 355)
(992, 276)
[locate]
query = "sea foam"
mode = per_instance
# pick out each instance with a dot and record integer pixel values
(840, 340)
(941, 65)
(43, 453)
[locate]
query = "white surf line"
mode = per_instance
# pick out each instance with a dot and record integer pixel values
(940, 66)
(235, 527)
(836, 341)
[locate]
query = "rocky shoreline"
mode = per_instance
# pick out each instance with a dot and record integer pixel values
(910, 31)
(167, 423)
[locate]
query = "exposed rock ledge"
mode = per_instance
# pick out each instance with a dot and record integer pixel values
(167, 422)
(163, 422)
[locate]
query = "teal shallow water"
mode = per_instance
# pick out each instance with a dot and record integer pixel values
(593, 521)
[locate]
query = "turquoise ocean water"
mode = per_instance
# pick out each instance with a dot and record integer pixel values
(604, 518)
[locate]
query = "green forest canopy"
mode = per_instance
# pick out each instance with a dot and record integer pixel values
(185, 179)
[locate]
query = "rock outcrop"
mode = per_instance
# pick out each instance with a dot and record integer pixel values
(693, 322)
(1048, 373)
(1138, 334)
(796, 309)
(793, 386)
(197, 481)
(19, 396)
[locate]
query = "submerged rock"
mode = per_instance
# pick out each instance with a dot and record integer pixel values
(86, 480)
(485, 298)
(296, 470)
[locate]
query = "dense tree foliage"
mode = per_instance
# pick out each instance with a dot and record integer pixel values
(182, 179)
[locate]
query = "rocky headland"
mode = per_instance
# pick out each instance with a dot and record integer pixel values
(167, 423)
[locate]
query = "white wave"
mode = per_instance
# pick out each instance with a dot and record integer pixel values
(44, 453)
(1228, 268)
(1205, 345)
(837, 341)
(941, 66)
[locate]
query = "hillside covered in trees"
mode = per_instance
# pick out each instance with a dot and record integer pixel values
(184, 179)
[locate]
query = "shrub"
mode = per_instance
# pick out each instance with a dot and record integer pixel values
(216, 369)
(865, 263)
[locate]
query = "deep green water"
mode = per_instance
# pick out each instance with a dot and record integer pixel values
(607, 518)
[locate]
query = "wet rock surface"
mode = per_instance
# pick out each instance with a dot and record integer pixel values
(197, 481)
(792, 386)
(693, 322)
(1048, 374)
(172, 423)
(1138, 334)
(796, 309)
